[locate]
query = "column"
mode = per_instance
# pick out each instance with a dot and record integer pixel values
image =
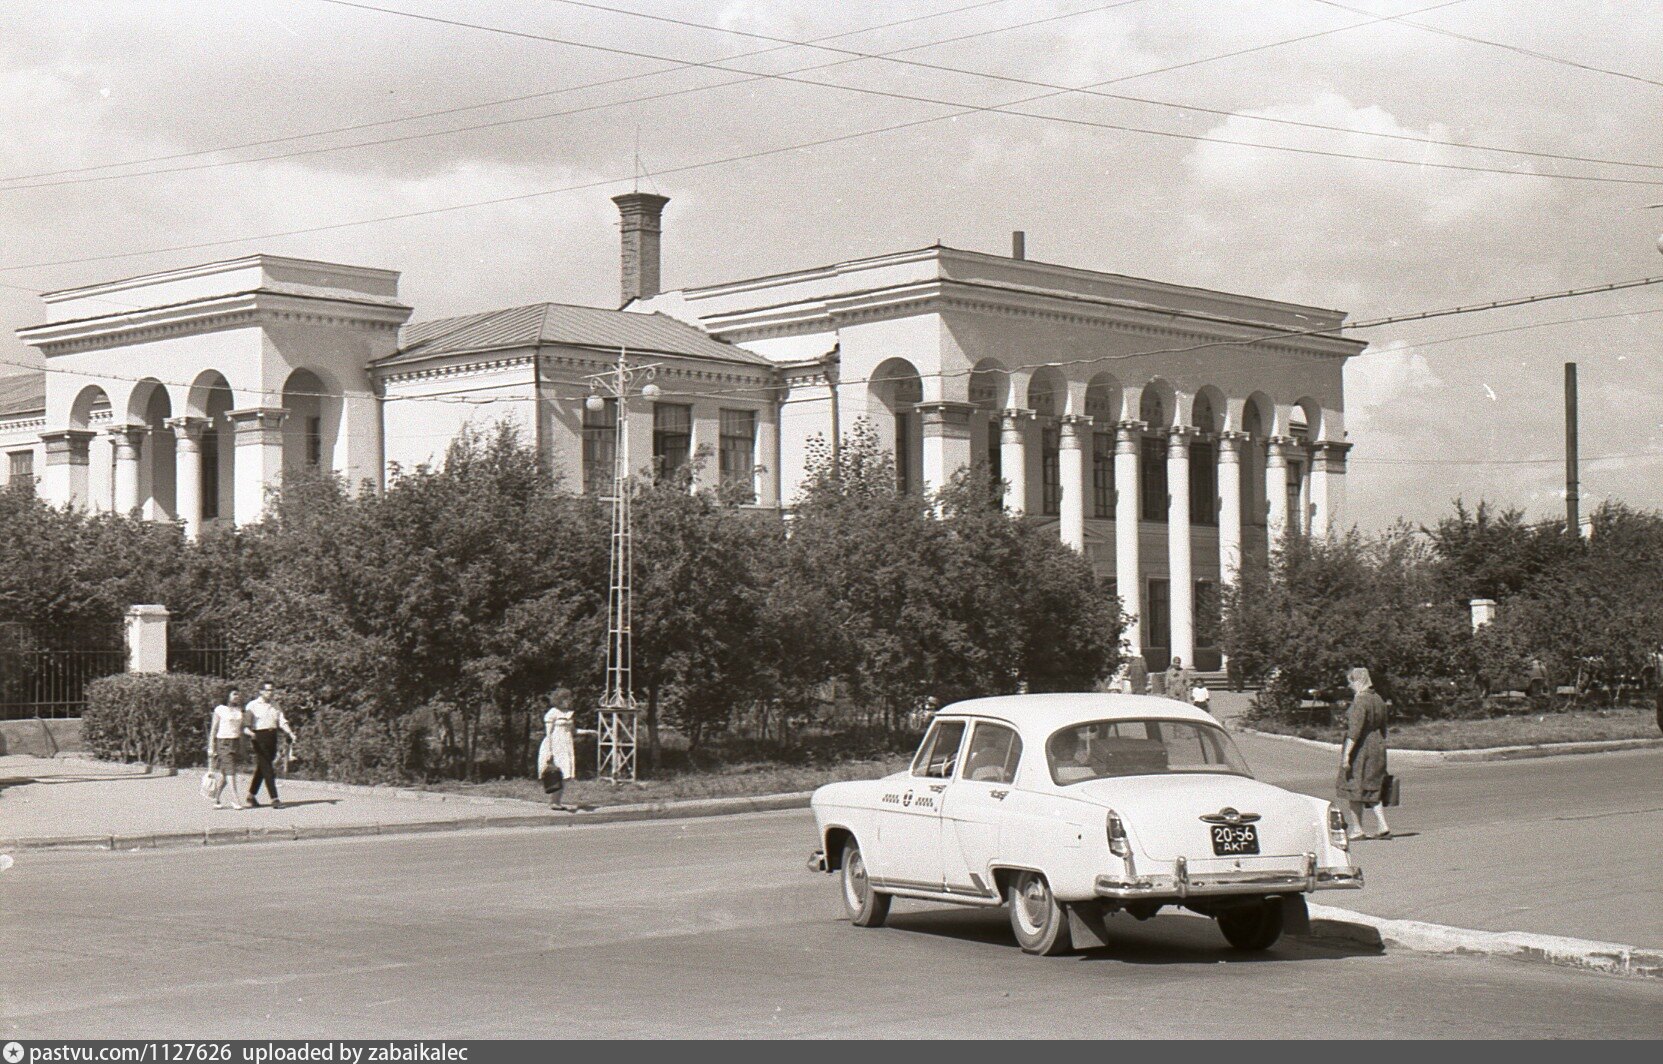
(63, 481)
(1013, 457)
(1178, 545)
(946, 432)
(1229, 505)
(128, 441)
(1128, 572)
(259, 459)
(1279, 450)
(1328, 486)
(187, 464)
(1072, 440)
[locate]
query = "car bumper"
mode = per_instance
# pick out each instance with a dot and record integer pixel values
(1181, 884)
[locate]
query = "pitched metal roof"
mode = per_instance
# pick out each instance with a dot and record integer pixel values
(560, 323)
(23, 392)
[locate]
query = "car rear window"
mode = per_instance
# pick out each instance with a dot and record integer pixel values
(1105, 749)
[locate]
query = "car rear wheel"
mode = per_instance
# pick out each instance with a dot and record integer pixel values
(866, 907)
(1252, 927)
(1039, 920)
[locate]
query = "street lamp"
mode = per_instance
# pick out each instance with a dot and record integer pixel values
(616, 719)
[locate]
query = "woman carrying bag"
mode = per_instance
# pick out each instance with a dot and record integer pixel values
(1362, 779)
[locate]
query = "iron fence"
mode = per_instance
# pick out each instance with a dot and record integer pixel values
(200, 661)
(52, 683)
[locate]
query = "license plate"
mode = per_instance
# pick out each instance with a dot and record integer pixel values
(1234, 841)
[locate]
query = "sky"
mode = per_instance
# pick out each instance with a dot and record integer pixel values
(127, 135)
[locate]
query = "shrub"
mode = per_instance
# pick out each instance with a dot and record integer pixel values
(156, 718)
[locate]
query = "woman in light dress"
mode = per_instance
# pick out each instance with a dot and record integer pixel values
(557, 755)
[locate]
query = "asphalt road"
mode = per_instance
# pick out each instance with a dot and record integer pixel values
(672, 928)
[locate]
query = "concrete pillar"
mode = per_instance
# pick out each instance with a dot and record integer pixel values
(1229, 505)
(1128, 571)
(1483, 612)
(1328, 486)
(128, 441)
(1281, 448)
(946, 432)
(187, 462)
(1013, 457)
(1073, 440)
(63, 481)
(1178, 544)
(147, 638)
(707, 444)
(259, 459)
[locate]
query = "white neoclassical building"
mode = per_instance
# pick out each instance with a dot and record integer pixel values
(1167, 432)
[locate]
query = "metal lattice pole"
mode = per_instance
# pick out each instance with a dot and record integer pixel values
(618, 714)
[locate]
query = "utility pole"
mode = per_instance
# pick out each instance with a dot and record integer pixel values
(617, 718)
(1573, 523)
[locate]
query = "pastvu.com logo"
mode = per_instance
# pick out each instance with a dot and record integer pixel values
(13, 1052)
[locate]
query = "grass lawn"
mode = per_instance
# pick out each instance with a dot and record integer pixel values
(727, 782)
(1522, 730)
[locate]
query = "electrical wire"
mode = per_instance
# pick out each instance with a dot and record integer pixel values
(492, 103)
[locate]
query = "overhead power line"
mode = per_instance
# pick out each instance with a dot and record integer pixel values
(329, 131)
(1503, 46)
(1143, 100)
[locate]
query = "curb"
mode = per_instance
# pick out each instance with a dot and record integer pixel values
(1488, 753)
(1610, 958)
(703, 807)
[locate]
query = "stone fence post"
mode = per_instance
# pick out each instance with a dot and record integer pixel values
(1483, 612)
(147, 638)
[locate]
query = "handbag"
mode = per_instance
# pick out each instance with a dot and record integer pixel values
(1391, 790)
(213, 783)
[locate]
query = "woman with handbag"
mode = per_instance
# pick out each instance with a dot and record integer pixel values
(226, 729)
(1362, 777)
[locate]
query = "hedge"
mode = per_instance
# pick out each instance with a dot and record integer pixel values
(154, 718)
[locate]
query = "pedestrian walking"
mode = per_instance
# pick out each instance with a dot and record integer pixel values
(1201, 697)
(1179, 680)
(226, 729)
(1363, 757)
(266, 721)
(557, 755)
(1137, 675)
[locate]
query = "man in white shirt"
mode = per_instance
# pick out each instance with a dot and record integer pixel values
(266, 720)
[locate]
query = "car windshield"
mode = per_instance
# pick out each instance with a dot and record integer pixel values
(1103, 749)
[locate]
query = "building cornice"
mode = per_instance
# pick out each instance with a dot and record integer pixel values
(946, 295)
(236, 310)
(580, 362)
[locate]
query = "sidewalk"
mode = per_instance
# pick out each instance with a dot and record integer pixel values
(1557, 845)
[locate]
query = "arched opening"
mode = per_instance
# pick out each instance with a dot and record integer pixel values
(1156, 407)
(151, 407)
(90, 403)
(1257, 416)
(989, 388)
(211, 399)
(1304, 426)
(310, 429)
(1047, 392)
(1103, 394)
(1207, 417)
(898, 389)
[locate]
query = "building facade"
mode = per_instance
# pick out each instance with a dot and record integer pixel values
(1168, 433)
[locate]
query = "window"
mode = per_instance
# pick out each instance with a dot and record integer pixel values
(1157, 616)
(20, 470)
(600, 447)
(940, 750)
(1203, 485)
(1153, 461)
(1207, 613)
(672, 437)
(1102, 474)
(210, 473)
(1108, 748)
(903, 452)
(995, 459)
(314, 441)
(736, 456)
(1050, 471)
(1296, 495)
(993, 755)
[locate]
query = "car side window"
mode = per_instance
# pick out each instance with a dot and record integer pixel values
(993, 754)
(937, 756)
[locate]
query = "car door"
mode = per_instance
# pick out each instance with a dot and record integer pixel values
(910, 812)
(975, 806)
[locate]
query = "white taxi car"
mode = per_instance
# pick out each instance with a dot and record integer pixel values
(1073, 807)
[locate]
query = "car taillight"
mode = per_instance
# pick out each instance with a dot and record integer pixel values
(1336, 828)
(1119, 844)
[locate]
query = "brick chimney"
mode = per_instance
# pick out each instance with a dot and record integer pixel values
(640, 227)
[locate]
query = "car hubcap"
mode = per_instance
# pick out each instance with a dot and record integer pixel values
(1034, 905)
(854, 880)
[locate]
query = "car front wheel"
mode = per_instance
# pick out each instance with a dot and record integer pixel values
(1252, 927)
(1039, 920)
(866, 907)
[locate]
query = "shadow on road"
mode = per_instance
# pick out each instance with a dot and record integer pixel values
(1173, 939)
